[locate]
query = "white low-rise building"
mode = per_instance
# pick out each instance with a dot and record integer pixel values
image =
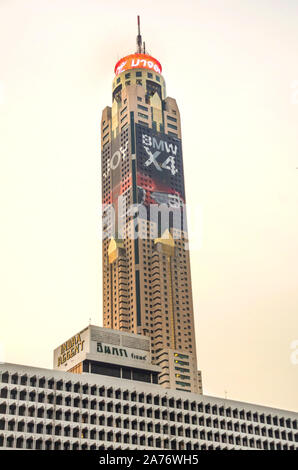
(51, 409)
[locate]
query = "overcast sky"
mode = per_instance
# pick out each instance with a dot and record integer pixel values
(230, 65)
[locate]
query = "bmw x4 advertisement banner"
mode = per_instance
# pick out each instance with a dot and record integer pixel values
(160, 177)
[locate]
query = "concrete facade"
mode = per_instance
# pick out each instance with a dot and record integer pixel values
(49, 409)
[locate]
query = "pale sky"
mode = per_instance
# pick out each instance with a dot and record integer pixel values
(230, 64)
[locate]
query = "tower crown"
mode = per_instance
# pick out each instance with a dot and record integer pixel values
(139, 60)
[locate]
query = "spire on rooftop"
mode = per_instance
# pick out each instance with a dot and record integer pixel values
(139, 38)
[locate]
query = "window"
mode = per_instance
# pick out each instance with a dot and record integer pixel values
(144, 108)
(182, 356)
(183, 384)
(144, 116)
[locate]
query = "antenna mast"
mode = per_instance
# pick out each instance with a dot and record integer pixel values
(139, 38)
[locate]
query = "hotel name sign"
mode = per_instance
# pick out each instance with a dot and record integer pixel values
(69, 349)
(120, 352)
(76, 345)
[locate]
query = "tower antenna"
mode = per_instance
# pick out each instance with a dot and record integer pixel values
(139, 38)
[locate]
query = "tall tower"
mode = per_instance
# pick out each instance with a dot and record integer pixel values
(146, 267)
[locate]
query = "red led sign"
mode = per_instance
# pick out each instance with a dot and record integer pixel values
(137, 61)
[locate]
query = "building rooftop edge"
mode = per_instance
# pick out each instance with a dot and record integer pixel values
(147, 387)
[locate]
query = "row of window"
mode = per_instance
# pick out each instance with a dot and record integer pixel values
(149, 398)
(138, 74)
(145, 441)
(83, 416)
(128, 422)
(50, 444)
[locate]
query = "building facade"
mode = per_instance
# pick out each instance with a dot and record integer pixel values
(52, 410)
(146, 266)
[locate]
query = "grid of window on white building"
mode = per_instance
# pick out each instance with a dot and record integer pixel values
(51, 410)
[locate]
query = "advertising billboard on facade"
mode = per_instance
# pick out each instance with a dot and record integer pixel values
(120, 180)
(155, 178)
(160, 178)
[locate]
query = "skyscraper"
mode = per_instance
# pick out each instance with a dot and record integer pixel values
(146, 266)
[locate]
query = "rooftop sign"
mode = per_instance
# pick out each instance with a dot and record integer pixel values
(69, 349)
(138, 61)
(123, 352)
